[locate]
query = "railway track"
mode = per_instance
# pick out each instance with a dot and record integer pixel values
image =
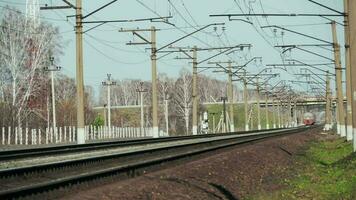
(37, 178)
(62, 149)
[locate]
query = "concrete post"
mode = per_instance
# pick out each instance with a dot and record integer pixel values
(195, 95)
(245, 103)
(274, 113)
(53, 101)
(266, 109)
(154, 83)
(279, 114)
(349, 135)
(352, 34)
(327, 105)
(79, 74)
(258, 106)
(166, 116)
(340, 97)
(230, 98)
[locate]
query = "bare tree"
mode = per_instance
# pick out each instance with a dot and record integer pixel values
(24, 51)
(182, 97)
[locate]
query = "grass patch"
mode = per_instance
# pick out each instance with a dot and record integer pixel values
(326, 171)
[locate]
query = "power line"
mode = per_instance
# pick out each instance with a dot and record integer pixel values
(109, 57)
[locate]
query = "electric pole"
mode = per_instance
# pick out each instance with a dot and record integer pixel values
(166, 99)
(195, 94)
(108, 83)
(352, 33)
(274, 113)
(104, 115)
(327, 105)
(258, 104)
(279, 114)
(141, 90)
(338, 69)
(223, 99)
(231, 97)
(230, 89)
(266, 108)
(245, 102)
(349, 134)
(53, 69)
(79, 73)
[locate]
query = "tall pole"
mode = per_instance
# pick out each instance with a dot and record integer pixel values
(109, 110)
(230, 97)
(166, 99)
(108, 83)
(53, 69)
(104, 114)
(340, 97)
(327, 105)
(266, 109)
(352, 34)
(79, 74)
(258, 106)
(224, 113)
(295, 114)
(53, 102)
(279, 114)
(289, 111)
(245, 102)
(154, 83)
(195, 95)
(142, 114)
(141, 90)
(349, 134)
(274, 113)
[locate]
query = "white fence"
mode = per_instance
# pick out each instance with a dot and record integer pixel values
(68, 134)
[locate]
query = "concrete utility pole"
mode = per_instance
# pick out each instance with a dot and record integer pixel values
(327, 105)
(266, 108)
(295, 114)
(245, 102)
(223, 99)
(104, 115)
(154, 83)
(349, 134)
(154, 51)
(231, 97)
(274, 113)
(166, 99)
(338, 69)
(352, 34)
(258, 104)
(53, 69)
(289, 111)
(108, 83)
(79, 73)
(141, 90)
(195, 93)
(279, 114)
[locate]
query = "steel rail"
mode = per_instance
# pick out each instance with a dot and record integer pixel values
(62, 149)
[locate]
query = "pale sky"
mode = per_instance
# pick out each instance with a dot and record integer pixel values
(105, 49)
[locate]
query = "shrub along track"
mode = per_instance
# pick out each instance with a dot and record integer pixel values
(37, 179)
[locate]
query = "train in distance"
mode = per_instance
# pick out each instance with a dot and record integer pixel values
(309, 119)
